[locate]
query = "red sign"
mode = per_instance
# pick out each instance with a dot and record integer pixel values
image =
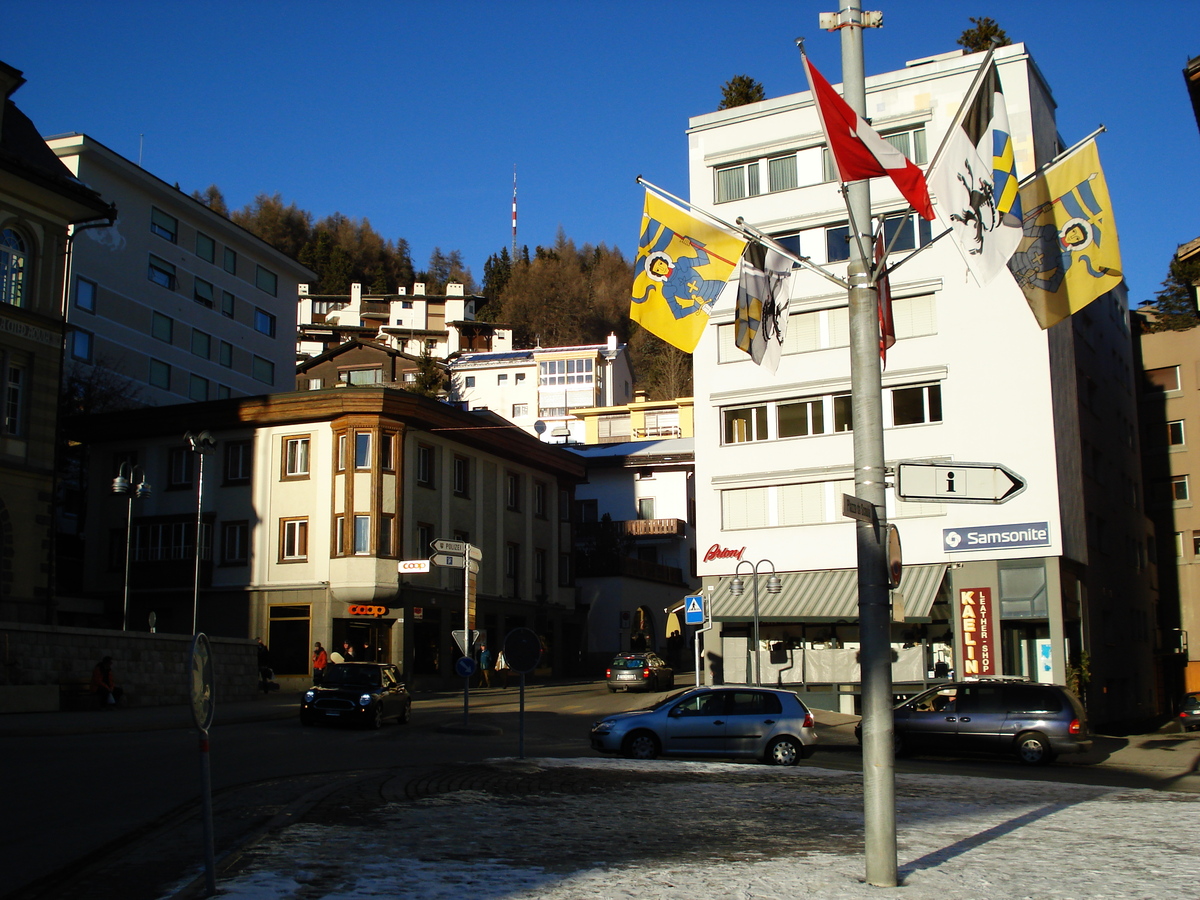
(376, 611)
(977, 621)
(716, 551)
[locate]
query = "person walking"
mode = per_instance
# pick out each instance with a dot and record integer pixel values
(104, 684)
(320, 661)
(485, 666)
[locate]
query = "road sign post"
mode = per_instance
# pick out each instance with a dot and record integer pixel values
(957, 482)
(461, 555)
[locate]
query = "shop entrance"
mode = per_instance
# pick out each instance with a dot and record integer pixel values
(371, 639)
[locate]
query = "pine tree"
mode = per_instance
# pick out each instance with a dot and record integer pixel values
(983, 35)
(1175, 306)
(740, 90)
(431, 376)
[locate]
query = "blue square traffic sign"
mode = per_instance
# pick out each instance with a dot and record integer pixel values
(693, 610)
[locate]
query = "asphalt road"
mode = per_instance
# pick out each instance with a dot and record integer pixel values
(115, 814)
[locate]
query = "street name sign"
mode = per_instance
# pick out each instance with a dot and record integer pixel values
(857, 508)
(457, 547)
(957, 482)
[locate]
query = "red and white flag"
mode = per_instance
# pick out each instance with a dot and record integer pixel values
(857, 149)
(887, 328)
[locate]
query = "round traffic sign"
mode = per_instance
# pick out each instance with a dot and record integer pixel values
(465, 667)
(202, 682)
(895, 562)
(522, 650)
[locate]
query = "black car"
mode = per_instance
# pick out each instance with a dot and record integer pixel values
(639, 672)
(1189, 711)
(361, 692)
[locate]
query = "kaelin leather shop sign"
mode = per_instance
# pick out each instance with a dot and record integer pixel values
(977, 619)
(716, 551)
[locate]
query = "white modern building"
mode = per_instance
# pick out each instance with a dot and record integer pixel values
(972, 378)
(174, 300)
(539, 389)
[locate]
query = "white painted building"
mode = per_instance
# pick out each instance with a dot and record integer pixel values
(538, 389)
(971, 378)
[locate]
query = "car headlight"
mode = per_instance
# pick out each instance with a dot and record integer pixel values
(310, 696)
(364, 700)
(602, 727)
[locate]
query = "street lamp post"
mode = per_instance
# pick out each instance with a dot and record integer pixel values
(200, 444)
(124, 484)
(737, 587)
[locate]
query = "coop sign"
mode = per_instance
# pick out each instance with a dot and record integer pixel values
(362, 610)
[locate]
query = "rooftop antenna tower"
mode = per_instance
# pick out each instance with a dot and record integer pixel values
(514, 246)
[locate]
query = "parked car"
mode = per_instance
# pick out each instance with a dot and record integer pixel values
(361, 692)
(729, 720)
(639, 672)
(1036, 722)
(1189, 711)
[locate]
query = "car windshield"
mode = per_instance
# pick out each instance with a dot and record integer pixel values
(1191, 701)
(628, 662)
(366, 676)
(670, 698)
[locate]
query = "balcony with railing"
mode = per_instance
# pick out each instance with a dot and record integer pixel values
(634, 528)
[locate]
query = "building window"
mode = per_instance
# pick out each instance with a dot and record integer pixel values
(341, 452)
(802, 418)
(424, 537)
(744, 425)
(1175, 436)
(566, 371)
(237, 461)
(539, 499)
(1179, 488)
(645, 508)
(295, 457)
(81, 345)
(14, 401)
(512, 564)
(387, 443)
(843, 409)
(227, 304)
(230, 261)
(362, 535)
(294, 539)
(206, 247)
(362, 450)
(160, 375)
(513, 491)
(197, 388)
(469, 381)
(914, 232)
(203, 293)
(361, 376)
(462, 476)
(263, 370)
(161, 272)
(737, 182)
(85, 294)
(266, 280)
(520, 409)
(916, 405)
(201, 344)
(14, 260)
(520, 377)
(162, 327)
(264, 322)
(564, 570)
(425, 465)
(165, 226)
(235, 543)
(387, 530)
(179, 468)
(781, 173)
(1164, 379)
(539, 566)
(502, 379)
(225, 354)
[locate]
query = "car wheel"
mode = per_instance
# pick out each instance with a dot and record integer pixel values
(405, 714)
(784, 751)
(376, 720)
(641, 745)
(1033, 749)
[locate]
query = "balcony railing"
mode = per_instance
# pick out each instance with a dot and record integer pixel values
(658, 431)
(636, 528)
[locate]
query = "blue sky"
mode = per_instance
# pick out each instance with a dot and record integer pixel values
(413, 114)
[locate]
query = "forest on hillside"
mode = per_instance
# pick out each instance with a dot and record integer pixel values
(553, 297)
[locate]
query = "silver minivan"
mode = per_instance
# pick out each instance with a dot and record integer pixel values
(1036, 722)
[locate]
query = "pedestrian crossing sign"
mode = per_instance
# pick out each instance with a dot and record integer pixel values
(693, 610)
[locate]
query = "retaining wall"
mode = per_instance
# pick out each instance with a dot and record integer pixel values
(153, 669)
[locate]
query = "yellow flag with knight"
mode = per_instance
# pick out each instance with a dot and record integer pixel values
(681, 267)
(1068, 255)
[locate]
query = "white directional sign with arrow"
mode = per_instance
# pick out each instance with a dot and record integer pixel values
(956, 482)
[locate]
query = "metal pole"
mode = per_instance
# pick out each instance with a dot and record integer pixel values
(206, 814)
(199, 511)
(128, 543)
(467, 629)
(879, 798)
(757, 643)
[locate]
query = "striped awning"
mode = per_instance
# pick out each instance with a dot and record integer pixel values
(826, 595)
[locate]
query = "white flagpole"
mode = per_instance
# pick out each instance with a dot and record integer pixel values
(967, 100)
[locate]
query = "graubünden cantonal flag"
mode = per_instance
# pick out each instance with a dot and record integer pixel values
(857, 149)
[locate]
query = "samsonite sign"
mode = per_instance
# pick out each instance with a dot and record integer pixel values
(996, 537)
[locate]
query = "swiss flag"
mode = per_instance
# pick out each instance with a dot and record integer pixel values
(858, 151)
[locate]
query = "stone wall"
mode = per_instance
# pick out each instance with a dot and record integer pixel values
(153, 669)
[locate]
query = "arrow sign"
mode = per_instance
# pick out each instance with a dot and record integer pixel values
(449, 560)
(957, 482)
(458, 547)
